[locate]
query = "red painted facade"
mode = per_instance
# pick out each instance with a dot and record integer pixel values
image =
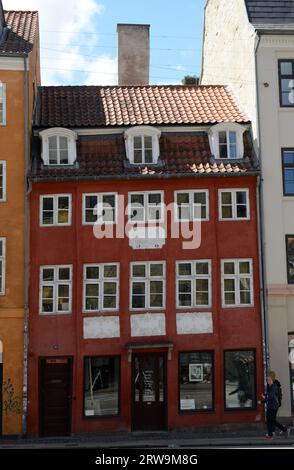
(62, 335)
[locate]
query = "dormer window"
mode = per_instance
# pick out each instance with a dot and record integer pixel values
(58, 146)
(226, 141)
(142, 145)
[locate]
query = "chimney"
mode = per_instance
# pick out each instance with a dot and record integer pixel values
(133, 54)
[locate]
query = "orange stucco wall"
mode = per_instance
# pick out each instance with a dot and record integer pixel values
(12, 227)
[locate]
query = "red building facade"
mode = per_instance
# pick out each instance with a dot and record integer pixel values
(142, 332)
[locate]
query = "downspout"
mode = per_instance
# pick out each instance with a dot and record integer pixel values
(261, 232)
(26, 251)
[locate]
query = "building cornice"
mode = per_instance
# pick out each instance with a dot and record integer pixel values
(277, 41)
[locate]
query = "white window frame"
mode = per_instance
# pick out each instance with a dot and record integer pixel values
(237, 276)
(99, 201)
(234, 192)
(193, 278)
(147, 280)
(142, 131)
(101, 282)
(146, 207)
(59, 132)
(227, 127)
(3, 86)
(55, 198)
(3, 260)
(3, 164)
(55, 283)
(191, 193)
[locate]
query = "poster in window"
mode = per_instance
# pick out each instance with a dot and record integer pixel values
(196, 372)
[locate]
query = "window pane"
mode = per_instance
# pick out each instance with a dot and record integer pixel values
(229, 285)
(47, 299)
(185, 269)
(138, 142)
(222, 136)
(156, 293)
(148, 142)
(63, 143)
(230, 298)
(202, 296)
(63, 298)
(92, 272)
(139, 270)
(202, 268)
(53, 157)
(110, 288)
(185, 293)
(137, 156)
(138, 295)
(286, 68)
(110, 271)
(48, 274)
(226, 198)
(244, 267)
(183, 198)
(240, 379)
(241, 211)
(92, 290)
(63, 157)
(90, 205)
(156, 270)
(229, 268)
(148, 156)
(288, 158)
(63, 210)
(53, 143)
(196, 381)
(64, 274)
(101, 386)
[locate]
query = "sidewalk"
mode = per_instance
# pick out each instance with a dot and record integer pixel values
(172, 440)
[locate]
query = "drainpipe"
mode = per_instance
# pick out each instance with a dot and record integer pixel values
(26, 251)
(261, 232)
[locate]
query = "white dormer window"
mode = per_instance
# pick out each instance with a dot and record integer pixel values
(58, 146)
(142, 145)
(226, 141)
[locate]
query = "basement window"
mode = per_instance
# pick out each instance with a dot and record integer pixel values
(142, 145)
(58, 146)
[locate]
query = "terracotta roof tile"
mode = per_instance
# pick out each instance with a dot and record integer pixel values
(22, 30)
(94, 106)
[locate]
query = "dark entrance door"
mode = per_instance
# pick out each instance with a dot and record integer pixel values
(149, 392)
(55, 396)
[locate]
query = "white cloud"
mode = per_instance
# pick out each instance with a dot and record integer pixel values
(60, 53)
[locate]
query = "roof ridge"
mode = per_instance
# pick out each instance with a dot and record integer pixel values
(21, 11)
(135, 86)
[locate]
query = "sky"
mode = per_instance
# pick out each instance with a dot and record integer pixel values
(79, 39)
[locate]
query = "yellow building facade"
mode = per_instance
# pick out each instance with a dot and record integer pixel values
(19, 78)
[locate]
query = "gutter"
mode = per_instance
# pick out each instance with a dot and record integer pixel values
(261, 234)
(26, 252)
(62, 179)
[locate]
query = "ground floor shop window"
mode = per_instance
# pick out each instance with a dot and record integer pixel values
(101, 389)
(240, 376)
(196, 381)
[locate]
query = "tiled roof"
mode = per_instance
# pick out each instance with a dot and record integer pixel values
(94, 106)
(271, 14)
(180, 154)
(22, 29)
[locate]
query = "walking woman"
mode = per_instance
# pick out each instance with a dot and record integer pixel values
(271, 398)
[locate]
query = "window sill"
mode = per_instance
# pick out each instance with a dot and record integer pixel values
(54, 314)
(100, 313)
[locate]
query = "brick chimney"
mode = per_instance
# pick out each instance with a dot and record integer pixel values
(133, 54)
